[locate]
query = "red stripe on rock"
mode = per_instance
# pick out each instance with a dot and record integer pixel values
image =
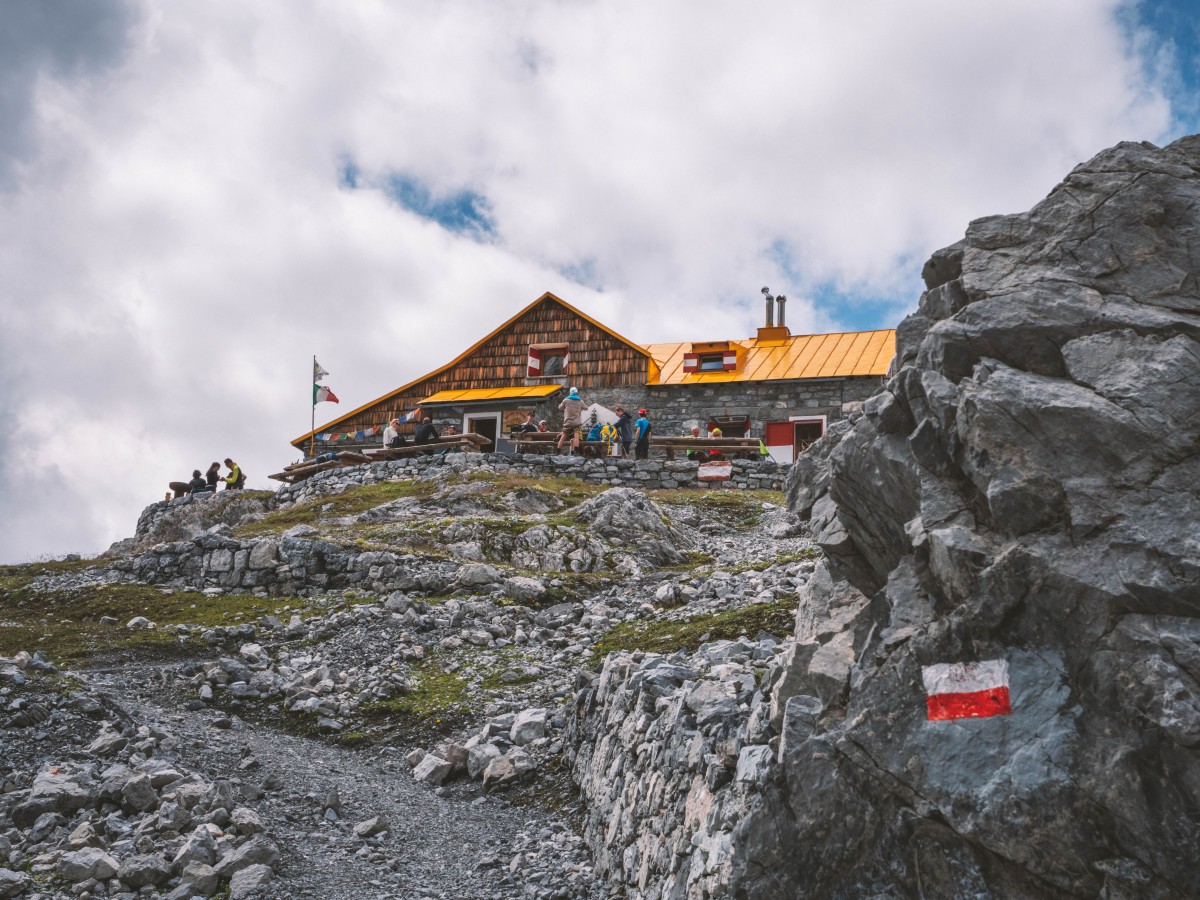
(973, 705)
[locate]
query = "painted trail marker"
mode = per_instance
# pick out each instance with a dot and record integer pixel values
(973, 690)
(714, 471)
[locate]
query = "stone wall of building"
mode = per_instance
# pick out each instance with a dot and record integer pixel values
(674, 409)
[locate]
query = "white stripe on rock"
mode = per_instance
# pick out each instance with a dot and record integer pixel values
(965, 678)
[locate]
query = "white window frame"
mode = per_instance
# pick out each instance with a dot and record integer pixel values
(497, 416)
(800, 420)
(824, 420)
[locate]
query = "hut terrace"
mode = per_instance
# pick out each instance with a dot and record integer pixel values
(781, 387)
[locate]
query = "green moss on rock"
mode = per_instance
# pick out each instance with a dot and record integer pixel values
(776, 618)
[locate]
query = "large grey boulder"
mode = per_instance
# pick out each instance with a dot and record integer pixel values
(90, 862)
(259, 850)
(143, 870)
(624, 516)
(1022, 490)
(250, 881)
(184, 519)
(12, 883)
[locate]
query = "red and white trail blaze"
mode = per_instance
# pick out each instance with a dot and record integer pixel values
(973, 690)
(714, 471)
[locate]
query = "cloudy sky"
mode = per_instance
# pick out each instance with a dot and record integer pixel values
(195, 198)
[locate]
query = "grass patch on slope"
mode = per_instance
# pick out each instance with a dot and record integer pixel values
(65, 625)
(348, 503)
(437, 706)
(572, 491)
(657, 636)
(741, 509)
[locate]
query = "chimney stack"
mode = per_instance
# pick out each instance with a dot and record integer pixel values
(773, 332)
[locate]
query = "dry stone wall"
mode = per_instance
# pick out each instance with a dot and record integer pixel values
(667, 752)
(643, 474)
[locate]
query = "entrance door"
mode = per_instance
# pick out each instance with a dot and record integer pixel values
(485, 426)
(806, 434)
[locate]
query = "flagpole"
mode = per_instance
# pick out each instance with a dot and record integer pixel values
(312, 437)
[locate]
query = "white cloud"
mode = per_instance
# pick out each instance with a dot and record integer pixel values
(176, 244)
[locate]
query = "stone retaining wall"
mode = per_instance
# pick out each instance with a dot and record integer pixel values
(181, 550)
(295, 564)
(643, 474)
(669, 753)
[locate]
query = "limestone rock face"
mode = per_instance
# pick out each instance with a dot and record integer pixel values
(1024, 488)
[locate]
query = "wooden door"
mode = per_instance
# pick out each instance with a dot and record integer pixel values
(806, 434)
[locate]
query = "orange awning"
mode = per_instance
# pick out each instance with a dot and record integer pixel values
(480, 395)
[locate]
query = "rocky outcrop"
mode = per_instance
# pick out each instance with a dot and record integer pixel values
(185, 518)
(1024, 490)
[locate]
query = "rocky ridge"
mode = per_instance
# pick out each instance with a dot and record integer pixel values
(1023, 490)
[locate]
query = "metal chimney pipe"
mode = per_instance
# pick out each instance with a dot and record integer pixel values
(781, 300)
(770, 306)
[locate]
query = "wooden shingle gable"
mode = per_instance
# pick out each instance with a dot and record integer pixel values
(599, 357)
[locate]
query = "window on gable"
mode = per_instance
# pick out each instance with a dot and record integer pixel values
(548, 360)
(711, 362)
(553, 362)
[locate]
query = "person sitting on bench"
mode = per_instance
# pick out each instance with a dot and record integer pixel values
(426, 432)
(392, 436)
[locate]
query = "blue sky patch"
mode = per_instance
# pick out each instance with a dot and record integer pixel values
(464, 212)
(1176, 26)
(348, 177)
(852, 306)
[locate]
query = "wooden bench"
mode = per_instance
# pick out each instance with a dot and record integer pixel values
(730, 448)
(470, 443)
(534, 441)
(546, 442)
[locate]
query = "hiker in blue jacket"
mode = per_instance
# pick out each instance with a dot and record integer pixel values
(643, 435)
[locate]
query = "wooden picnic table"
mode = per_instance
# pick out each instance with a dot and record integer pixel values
(307, 468)
(733, 448)
(470, 442)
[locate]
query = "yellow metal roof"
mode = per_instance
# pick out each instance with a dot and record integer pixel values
(504, 393)
(799, 356)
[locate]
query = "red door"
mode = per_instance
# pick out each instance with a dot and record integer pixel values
(779, 434)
